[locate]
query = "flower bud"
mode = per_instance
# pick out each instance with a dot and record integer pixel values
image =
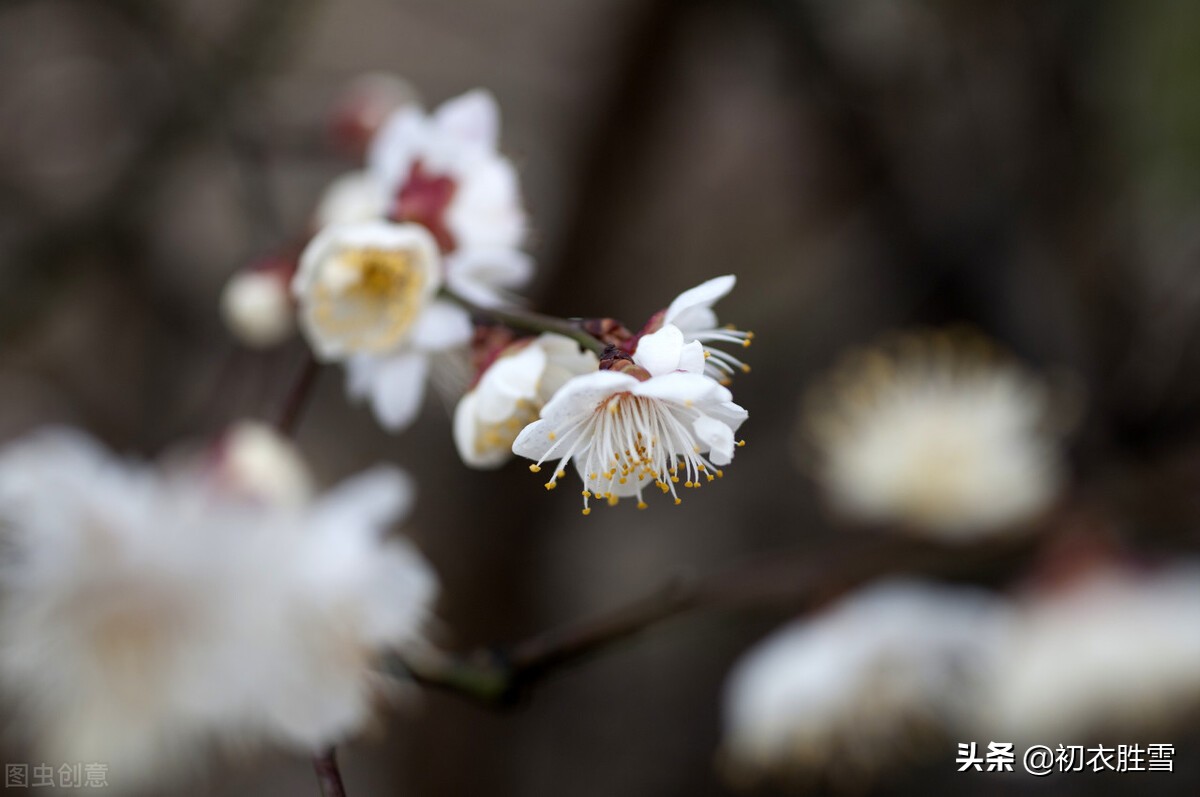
(257, 307)
(254, 461)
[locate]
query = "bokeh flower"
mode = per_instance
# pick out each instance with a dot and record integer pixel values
(866, 683)
(938, 434)
(146, 618)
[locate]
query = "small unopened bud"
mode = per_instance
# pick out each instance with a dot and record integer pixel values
(256, 462)
(257, 307)
(608, 331)
(364, 105)
(614, 359)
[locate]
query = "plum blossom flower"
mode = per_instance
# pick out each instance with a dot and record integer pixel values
(692, 312)
(1116, 650)
(939, 434)
(639, 423)
(444, 171)
(368, 297)
(866, 682)
(147, 616)
(510, 394)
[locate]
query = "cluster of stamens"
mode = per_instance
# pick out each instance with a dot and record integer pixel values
(631, 440)
(371, 297)
(721, 364)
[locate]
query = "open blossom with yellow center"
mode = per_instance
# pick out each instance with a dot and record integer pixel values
(939, 434)
(367, 296)
(660, 423)
(511, 393)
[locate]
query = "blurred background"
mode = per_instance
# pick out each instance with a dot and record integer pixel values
(1030, 168)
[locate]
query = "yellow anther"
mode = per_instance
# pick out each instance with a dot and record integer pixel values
(552, 436)
(741, 443)
(745, 368)
(678, 500)
(587, 493)
(560, 474)
(622, 480)
(642, 505)
(587, 510)
(613, 500)
(687, 484)
(675, 480)
(534, 469)
(720, 473)
(551, 485)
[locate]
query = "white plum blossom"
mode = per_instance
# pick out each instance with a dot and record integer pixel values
(353, 197)
(510, 394)
(938, 434)
(147, 618)
(649, 425)
(443, 170)
(368, 298)
(253, 460)
(1115, 651)
(863, 684)
(692, 312)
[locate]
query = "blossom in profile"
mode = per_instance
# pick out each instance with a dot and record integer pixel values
(692, 312)
(443, 170)
(867, 683)
(147, 618)
(937, 433)
(1113, 651)
(511, 392)
(650, 421)
(367, 294)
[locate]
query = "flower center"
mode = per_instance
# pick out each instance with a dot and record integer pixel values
(370, 297)
(630, 443)
(424, 199)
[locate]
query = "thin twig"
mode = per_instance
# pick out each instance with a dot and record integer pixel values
(799, 580)
(297, 396)
(528, 321)
(328, 774)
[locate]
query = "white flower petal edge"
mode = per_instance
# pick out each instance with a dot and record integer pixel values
(692, 312)
(354, 197)
(146, 618)
(625, 435)
(510, 393)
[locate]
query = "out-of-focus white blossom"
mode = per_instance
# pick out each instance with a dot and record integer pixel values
(146, 618)
(865, 683)
(443, 170)
(367, 295)
(354, 197)
(255, 461)
(1116, 651)
(648, 425)
(257, 308)
(938, 434)
(510, 394)
(692, 312)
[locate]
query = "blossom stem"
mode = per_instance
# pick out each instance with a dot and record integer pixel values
(804, 578)
(528, 321)
(297, 397)
(328, 774)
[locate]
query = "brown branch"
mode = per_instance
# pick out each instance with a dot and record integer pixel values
(297, 396)
(328, 774)
(800, 580)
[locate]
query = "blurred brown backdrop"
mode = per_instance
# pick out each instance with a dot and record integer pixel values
(1032, 168)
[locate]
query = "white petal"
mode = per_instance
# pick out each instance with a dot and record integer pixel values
(472, 118)
(691, 358)
(484, 276)
(377, 498)
(442, 325)
(682, 311)
(716, 437)
(683, 388)
(397, 144)
(466, 435)
(660, 352)
(353, 197)
(395, 386)
(509, 380)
